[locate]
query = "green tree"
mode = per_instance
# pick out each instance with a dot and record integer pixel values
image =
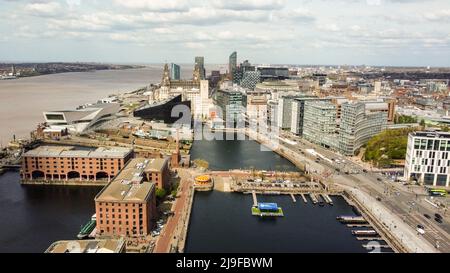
(387, 146)
(174, 189)
(160, 193)
(422, 123)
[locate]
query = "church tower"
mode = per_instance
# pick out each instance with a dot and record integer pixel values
(197, 75)
(166, 76)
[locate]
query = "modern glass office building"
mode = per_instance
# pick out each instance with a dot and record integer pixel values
(274, 73)
(200, 62)
(232, 102)
(358, 126)
(250, 79)
(319, 125)
(232, 63)
(175, 73)
(298, 113)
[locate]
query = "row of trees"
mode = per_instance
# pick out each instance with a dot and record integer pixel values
(400, 119)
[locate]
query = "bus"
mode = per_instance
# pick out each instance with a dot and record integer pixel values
(437, 192)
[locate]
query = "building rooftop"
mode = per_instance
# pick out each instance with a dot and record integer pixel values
(432, 134)
(71, 151)
(373, 106)
(129, 184)
(87, 246)
(156, 164)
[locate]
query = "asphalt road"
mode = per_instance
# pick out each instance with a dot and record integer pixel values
(407, 202)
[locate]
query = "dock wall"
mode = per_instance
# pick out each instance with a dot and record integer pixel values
(64, 183)
(393, 242)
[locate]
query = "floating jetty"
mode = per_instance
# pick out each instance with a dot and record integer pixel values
(304, 198)
(352, 219)
(369, 238)
(376, 246)
(313, 198)
(327, 199)
(267, 210)
(255, 200)
(367, 233)
(293, 198)
(358, 225)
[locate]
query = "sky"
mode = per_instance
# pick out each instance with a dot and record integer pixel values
(338, 32)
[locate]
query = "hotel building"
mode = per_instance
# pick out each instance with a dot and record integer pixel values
(127, 206)
(70, 164)
(427, 158)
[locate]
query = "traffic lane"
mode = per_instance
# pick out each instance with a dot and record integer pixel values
(432, 234)
(304, 154)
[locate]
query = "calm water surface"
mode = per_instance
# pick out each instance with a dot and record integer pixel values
(222, 222)
(32, 217)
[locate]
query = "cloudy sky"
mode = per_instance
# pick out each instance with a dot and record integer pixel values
(372, 32)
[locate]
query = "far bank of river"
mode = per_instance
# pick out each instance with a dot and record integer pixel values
(23, 101)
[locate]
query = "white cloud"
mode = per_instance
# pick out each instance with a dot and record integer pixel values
(329, 27)
(154, 5)
(288, 28)
(249, 4)
(441, 15)
(43, 9)
(194, 45)
(297, 15)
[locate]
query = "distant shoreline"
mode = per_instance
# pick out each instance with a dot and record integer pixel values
(27, 70)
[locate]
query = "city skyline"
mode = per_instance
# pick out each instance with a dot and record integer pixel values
(294, 32)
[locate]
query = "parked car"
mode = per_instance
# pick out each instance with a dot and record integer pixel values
(427, 216)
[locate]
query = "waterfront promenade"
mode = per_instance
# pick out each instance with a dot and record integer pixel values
(173, 230)
(403, 233)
